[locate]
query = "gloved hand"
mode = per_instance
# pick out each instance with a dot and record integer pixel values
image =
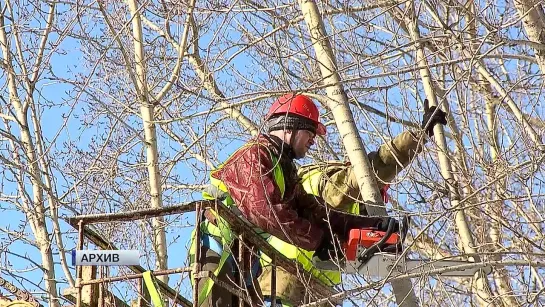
(440, 117)
(326, 249)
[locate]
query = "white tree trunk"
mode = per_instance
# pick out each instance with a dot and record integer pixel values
(533, 19)
(36, 211)
(338, 104)
(147, 112)
(53, 203)
(444, 161)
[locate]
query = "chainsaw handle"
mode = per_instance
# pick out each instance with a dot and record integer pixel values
(389, 232)
(368, 253)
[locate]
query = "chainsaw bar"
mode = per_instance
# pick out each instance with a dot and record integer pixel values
(365, 255)
(389, 265)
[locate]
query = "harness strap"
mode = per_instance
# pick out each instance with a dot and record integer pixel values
(222, 229)
(149, 281)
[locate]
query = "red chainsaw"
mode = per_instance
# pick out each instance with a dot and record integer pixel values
(373, 253)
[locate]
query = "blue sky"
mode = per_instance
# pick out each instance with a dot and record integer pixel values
(87, 128)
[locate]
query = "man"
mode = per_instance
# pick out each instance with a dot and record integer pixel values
(336, 183)
(260, 182)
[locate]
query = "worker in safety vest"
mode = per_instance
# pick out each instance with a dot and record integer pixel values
(260, 182)
(336, 183)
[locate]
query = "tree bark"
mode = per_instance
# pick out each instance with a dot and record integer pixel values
(338, 104)
(444, 161)
(533, 19)
(147, 111)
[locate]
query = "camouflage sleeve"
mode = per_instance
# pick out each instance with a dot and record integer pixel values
(393, 157)
(340, 188)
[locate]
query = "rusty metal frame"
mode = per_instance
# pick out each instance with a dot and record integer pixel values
(20, 294)
(238, 226)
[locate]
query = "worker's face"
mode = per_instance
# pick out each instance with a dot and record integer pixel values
(302, 140)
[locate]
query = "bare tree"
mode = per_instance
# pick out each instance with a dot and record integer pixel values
(338, 103)
(111, 106)
(26, 56)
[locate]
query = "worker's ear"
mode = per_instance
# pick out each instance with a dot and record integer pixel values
(289, 133)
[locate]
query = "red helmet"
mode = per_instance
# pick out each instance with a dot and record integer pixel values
(299, 105)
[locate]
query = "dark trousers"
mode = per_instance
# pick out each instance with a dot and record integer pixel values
(219, 296)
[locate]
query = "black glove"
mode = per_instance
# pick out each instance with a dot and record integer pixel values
(326, 249)
(440, 117)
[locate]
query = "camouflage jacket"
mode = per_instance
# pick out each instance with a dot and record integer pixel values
(338, 185)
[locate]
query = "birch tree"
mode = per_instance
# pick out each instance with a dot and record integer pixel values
(112, 106)
(338, 103)
(533, 17)
(147, 110)
(26, 58)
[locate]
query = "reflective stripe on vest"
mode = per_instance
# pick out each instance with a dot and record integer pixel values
(223, 231)
(311, 180)
(304, 258)
(149, 281)
(311, 183)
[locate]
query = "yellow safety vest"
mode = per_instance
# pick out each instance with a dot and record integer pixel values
(311, 183)
(222, 231)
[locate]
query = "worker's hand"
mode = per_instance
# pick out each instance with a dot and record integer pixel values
(432, 117)
(326, 249)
